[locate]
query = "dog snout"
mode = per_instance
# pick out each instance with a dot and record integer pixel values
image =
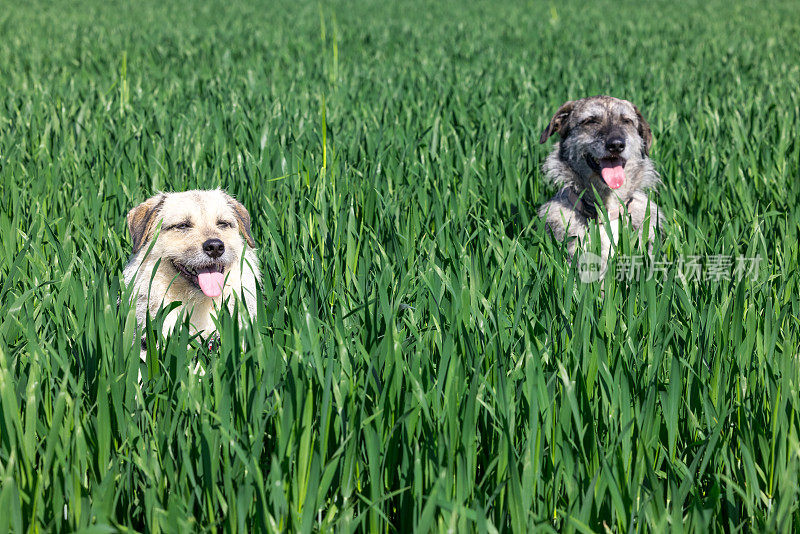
(214, 247)
(615, 144)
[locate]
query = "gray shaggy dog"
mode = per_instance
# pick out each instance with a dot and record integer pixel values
(603, 154)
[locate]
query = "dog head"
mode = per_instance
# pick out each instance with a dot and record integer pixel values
(601, 139)
(203, 234)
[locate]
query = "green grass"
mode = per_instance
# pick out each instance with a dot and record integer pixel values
(424, 357)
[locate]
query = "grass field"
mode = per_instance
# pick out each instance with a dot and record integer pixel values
(424, 357)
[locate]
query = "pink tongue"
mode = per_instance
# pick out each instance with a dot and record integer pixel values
(211, 283)
(613, 176)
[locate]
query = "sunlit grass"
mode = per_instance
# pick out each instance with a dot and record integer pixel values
(424, 358)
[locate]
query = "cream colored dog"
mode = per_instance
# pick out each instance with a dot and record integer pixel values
(201, 256)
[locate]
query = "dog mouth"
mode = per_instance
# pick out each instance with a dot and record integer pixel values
(209, 279)
(611, 168)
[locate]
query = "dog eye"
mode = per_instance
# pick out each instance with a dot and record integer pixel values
(182, 226)
(591, 120)
(224, 224)
(626, 120)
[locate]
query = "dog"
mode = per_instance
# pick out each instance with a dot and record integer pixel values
(194, 248)
(602, 155)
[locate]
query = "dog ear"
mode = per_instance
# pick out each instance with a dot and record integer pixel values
(644, 132)
(558, 121)
(243, 218)
(142, 219)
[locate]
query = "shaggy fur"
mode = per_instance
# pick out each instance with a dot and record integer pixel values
(587, 128)
(188, 221)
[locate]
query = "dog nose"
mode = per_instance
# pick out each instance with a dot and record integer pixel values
(214, 247)
(615, 145)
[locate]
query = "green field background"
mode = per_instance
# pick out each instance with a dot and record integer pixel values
(424, 357)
